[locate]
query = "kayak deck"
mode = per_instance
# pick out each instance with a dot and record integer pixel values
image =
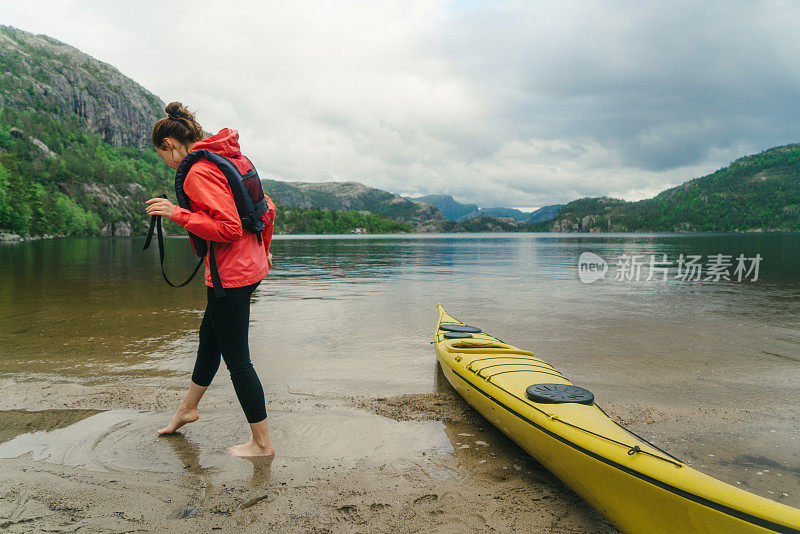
(512, 370)
(636, 485)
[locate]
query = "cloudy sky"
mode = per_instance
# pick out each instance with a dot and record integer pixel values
(499, 103)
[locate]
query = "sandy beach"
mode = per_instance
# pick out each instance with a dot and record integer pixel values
(385, 471)
(88, 460)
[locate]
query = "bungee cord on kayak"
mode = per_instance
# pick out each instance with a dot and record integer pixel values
(634, 448)
(634, 434)
(547, 370)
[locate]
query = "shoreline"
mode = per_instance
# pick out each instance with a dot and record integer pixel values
(408, 462)
(186, 482)
(12, 237)
(6, 237)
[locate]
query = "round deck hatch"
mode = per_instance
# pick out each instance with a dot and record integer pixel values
(459, 328)
(559, 393)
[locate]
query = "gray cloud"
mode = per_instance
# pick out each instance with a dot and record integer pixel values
(661, 85)
(513, 103)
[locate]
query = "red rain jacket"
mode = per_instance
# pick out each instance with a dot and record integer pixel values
(241, 260)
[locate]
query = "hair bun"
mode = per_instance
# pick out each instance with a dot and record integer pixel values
(179, 124)
(176, 111)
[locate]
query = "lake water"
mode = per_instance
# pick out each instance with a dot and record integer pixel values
(708, 368)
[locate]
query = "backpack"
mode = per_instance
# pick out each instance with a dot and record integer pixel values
(250, 203)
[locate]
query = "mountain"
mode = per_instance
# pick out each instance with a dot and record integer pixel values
(510, 213)
(456, 211)
(544, 214)
(478, 224)
(44, 75)
(760, 192)
(451, 208)
(343, 196)
(72, 132)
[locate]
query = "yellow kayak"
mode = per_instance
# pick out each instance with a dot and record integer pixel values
(634, 484)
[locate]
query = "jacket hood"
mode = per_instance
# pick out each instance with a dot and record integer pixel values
(225, 143)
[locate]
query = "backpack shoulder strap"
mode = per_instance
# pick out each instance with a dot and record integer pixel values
(180, 177)
(244, 204)
(252, 172)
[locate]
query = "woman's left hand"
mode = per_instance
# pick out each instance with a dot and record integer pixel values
(160, 206)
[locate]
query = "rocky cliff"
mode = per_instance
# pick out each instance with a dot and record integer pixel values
(41, 74)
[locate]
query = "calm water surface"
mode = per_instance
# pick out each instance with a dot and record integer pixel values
(341, 316)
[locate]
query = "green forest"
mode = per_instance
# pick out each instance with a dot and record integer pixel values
(42, 193)
(757, 192)
(294, 220)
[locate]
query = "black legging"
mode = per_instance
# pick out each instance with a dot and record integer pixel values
(224, 331)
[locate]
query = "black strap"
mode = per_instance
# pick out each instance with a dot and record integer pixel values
(260, 208)
(155, 224)
(219, 291)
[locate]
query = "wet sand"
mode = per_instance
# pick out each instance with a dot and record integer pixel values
(413, 463)
(410, 463)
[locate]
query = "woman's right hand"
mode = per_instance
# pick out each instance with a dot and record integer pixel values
(160, 206)
(269, 260)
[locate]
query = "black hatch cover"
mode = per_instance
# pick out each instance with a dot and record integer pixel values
(559, 393)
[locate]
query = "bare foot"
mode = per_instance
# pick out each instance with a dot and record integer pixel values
(251, 449)
(179, 419)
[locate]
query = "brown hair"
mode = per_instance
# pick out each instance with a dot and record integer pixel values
(179, 124)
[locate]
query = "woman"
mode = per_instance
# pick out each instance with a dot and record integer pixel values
(242, 260)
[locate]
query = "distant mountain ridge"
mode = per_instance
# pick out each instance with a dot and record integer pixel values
(511, 213)
(451, 208)
(760, 192)
(545, 213)
(456, 211)
(542, 214)
(343, 196)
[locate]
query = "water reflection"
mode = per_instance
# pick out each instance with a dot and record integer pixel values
(75, 305)
(98, 307)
